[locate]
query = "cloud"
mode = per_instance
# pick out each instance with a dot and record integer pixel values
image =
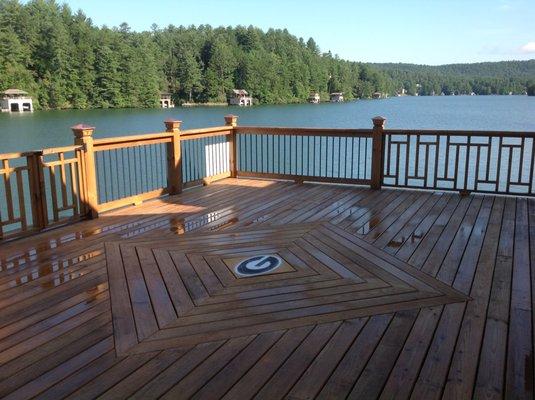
(505, 5)
(529, 47)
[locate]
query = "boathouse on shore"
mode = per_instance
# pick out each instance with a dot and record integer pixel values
(337, 97)
(240, 97)
(16, 100)
(166, 101)
(314, 98)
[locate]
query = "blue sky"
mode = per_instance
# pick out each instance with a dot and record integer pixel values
(418, 31)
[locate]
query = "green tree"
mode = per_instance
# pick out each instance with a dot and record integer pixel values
(13, 62)
(218, 76)
(107, 80)
(189, 75)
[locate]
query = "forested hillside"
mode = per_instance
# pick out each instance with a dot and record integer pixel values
(65, 61)
(502, 77)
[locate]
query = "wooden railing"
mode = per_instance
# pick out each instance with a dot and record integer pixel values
(41, 189)
(301, 154)
(50, 187)
(131, 169)
(56, 186)
(205, 155)
(485, 162)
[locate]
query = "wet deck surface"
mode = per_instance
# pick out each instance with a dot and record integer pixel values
(383, 294)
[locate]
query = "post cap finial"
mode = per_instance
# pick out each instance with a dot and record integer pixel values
(82, 130)
(172, 125)
(378, 121)
(231, 120)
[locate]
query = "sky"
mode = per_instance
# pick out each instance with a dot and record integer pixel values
(415, 31)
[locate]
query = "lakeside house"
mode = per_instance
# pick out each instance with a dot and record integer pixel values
(240, 97)
(337, 97)
(377, 95)
(166, 101)
(314, 98)
(16, 100)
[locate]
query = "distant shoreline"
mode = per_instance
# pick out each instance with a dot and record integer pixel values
(213, 105)
(209, 104)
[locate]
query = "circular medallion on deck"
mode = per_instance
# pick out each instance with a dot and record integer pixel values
(258, 265)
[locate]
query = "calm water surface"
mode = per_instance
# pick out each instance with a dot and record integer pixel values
(43, 129)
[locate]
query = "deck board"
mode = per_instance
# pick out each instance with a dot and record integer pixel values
(57, 329)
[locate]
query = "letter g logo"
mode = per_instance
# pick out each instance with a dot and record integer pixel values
(258, 265)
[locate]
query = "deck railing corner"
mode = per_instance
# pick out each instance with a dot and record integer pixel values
(377, 151)
(232, 121)
(174, 157)
(83, 135)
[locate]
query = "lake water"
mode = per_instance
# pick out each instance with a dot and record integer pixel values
(41, 129)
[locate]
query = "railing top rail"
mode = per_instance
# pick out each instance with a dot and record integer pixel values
(163, 136)
(277, 130)
(10, 156)
(63, 149)
(43, 152)
(132, 138)
(444, 132)
(213, 129)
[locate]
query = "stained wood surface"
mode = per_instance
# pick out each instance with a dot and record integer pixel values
(251, 337)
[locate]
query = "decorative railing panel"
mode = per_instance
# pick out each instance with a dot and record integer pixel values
(15, 204)
(205, 155)
(474, 161)
(63, 177)
(40, 189)
(129, 171)
(342, 156)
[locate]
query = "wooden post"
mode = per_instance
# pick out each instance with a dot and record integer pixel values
(377, 152)
(232, 120)
(174, 157)
(83, 135)
(37, 189)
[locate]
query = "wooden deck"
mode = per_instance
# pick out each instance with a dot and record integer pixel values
(386, 294)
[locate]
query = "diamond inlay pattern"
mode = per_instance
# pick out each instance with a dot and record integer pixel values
(168, 293)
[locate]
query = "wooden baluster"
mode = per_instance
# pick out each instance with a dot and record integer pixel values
(83, 135)
(53, 192)
(22, 204)
(4, 170)
(36, 182)
(74, 187)
(82, 202)
(174, 158)
(232, 121)
(7, 187)
(377, 152)
(63, 179)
